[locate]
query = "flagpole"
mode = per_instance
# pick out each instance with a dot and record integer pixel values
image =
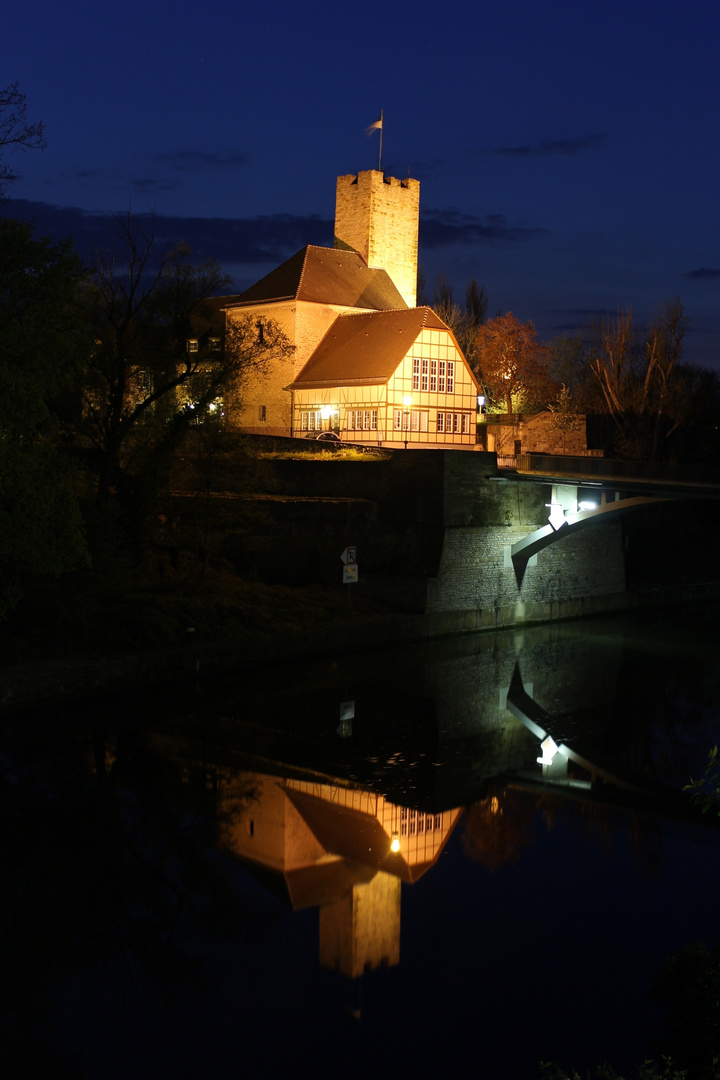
(381, 135)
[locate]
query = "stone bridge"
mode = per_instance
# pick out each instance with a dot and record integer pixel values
(562, 537)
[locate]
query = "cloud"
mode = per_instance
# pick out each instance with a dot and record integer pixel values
(198, 160)
(148, 183)
(555, 147)
(703, 274)
(448, 228)
(265, 240)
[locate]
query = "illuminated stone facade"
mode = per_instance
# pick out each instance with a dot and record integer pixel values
(398, 378)
(378, 216)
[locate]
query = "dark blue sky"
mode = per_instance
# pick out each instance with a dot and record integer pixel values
(568, 153)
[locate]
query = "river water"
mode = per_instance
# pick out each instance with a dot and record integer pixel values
(201, 881)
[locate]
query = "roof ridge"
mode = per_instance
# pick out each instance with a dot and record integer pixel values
(376, 311)
(302, 272)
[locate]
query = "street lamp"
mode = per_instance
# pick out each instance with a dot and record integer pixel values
(407, 402)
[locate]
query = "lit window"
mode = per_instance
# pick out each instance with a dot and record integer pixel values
(416, 373)
(414, 421)
(262, 413)
(425, 365)
(438, 821)
(366, 420)
(456, 423)
(441, 422)
(192, 345)
(450, 376)
(214, 344)
(441, 376)
(433, 375)
(397, 419)
(304, 421)
(465, 423)
(373, 419)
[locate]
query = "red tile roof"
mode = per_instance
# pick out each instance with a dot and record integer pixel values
(324, 276)
(365, 348)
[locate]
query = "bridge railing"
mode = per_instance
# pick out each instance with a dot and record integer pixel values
(608, 469)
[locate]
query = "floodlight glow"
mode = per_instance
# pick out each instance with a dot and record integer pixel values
(549, 749)
(326, 412)
(556, 517)
(407, 401)
(586, 505)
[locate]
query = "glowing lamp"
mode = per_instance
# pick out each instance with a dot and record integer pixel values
(395, 843)
(586, 505)
(549, 749)
(556, 517)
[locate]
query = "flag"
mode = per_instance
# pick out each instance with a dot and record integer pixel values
(377, 126)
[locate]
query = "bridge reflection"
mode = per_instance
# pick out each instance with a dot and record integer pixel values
(340, 819)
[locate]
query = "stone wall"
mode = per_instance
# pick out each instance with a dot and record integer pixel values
(536, 434)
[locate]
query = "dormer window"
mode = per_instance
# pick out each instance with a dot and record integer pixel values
(192, 345)
(214, 344)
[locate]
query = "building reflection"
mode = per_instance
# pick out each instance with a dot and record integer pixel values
(344, 850)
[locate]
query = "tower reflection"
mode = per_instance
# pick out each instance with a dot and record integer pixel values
(333, 847)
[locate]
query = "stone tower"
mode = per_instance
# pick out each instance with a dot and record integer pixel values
(377, 216)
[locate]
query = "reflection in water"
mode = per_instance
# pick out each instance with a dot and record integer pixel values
(345, 851)
(154, 836)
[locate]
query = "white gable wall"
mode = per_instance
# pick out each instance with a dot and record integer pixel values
(378, 413)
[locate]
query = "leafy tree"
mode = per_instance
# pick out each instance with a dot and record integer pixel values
(161, 359)
(15, 131)
(649, 1070)
(706, 792)
(42, 343)
(688, 990)
(512, 364)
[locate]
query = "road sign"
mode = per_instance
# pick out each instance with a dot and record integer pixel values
(349, 556)
(350, 574)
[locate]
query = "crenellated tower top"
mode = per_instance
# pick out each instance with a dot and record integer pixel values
(378, 216)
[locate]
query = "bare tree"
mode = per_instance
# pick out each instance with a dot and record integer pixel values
(161, 359)
(565, 417)
(15, 131)
(463, 323)
(637, 378)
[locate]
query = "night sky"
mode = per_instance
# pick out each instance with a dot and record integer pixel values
(568, 152)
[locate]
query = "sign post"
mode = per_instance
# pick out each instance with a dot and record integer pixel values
(350, 566)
